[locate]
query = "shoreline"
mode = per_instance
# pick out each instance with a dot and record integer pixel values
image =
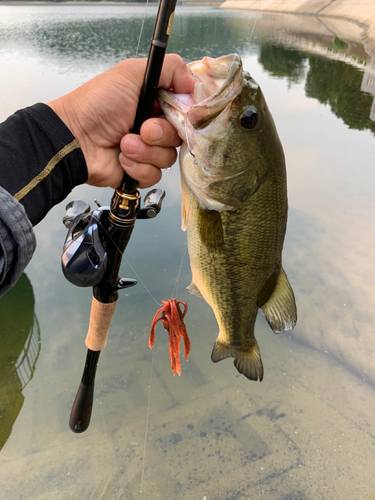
(362, 13)
(101, 3)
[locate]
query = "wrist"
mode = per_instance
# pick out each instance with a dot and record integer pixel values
(64, 109)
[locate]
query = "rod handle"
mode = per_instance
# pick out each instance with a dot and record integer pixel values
(80, 415)
(100, 320)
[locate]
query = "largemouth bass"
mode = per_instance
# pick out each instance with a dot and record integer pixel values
(234, 205)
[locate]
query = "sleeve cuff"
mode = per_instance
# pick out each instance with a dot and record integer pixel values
(17, 241)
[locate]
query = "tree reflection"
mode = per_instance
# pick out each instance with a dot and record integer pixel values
(20, 347)
(331, 82)
(339, 85)
(281, 62)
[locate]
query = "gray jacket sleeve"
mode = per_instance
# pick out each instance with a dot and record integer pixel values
(17, 240)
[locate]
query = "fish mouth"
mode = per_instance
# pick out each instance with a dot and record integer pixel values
(218, 83)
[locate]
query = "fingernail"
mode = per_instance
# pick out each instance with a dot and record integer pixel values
(126, 162)
(132, 145)
(156, 132)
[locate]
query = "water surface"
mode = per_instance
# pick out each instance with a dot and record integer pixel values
(307, 431)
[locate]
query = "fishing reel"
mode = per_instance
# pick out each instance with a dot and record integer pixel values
(84, 257)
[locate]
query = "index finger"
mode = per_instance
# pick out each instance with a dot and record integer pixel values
(176, 75)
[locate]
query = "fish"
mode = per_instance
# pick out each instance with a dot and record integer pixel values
(234, 205)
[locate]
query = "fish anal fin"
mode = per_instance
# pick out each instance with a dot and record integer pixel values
(221, 351)
(192, 288)
(247, 361)
(280, 310)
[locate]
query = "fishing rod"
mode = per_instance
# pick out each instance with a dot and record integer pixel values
(97, 239)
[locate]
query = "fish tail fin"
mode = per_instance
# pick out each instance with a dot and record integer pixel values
(280, 310)
(247, 361)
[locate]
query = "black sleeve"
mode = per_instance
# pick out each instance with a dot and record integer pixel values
(40, 163)
(40, 160)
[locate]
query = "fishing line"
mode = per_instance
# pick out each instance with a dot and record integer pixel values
(136, 55)
(255, 21)
(148, 291)
(187, 135)
(175, 288)
(140, 33)
(144, 286)
(104, 190)
(99, 200)
(147, 418)
(174, 293)
(152, 362)
(128, 263)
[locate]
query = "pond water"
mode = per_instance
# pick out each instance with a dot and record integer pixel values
(307, 431)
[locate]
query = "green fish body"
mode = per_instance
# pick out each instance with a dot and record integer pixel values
(234, 206)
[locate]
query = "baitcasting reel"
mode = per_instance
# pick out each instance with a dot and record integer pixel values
(84, 257)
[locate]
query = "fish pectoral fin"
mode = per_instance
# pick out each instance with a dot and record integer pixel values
(211, 229)
(192, 288)
(280, 310)
(247, 361)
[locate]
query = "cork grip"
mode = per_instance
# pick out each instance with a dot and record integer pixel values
(100, 319)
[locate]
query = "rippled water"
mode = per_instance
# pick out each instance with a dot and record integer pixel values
(307, 431)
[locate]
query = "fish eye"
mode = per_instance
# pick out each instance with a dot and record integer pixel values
(249, 118)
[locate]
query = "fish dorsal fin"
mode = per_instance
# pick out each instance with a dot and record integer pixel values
(280, 310)
(192, 288)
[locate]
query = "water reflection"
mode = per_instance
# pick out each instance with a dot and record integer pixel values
(339, 85)
(283, 63)
(335, 83)
(20, 347)
(333, 77)
(368, 85)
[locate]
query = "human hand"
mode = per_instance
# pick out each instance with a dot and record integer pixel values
(101, 113)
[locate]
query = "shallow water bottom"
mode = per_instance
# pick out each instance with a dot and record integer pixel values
(208, 433)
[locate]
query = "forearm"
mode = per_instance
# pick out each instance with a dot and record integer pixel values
(40, 160)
